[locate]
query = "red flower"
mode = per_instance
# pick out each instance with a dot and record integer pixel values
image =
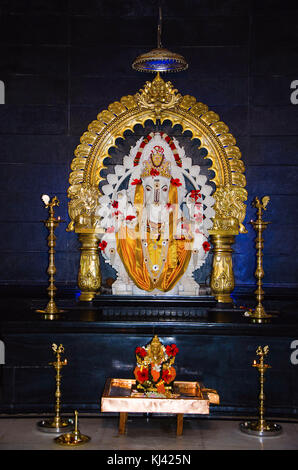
(176, 182)
(167, 376)
(142, 375)
(110, 229)
(102, 245)
(130, 217)
(115, 204)
(116, 213)
(154, 172)
(136, 181)
(141, 351)
(206, 246)
(195, 193)
(172, 350)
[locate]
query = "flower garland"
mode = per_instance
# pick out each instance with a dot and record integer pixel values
(169, 141)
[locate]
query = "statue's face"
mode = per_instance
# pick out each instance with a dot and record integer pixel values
(157, 158)
(156, 351)
(156, 191)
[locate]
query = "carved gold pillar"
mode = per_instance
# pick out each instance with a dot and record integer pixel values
(89, 277)
(222, 277)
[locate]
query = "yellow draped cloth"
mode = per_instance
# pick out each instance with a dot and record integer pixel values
(129, 247)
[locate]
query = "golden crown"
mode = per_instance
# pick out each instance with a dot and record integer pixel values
(156, 165)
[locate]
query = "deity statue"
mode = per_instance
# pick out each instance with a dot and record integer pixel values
(154, 371)
(155, 351)
(156, 230)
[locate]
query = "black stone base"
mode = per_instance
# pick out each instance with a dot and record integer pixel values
(216, 346)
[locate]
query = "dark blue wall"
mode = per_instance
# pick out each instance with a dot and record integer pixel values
(64, 61)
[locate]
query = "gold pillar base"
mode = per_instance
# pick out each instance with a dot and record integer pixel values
(224, 298)
(87, 296)
(260, 428)
(259, 314)
(51, 311)
(54, 425)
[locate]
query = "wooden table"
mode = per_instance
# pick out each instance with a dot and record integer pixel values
(192, 398)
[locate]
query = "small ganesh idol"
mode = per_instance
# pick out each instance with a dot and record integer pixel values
(154, 372)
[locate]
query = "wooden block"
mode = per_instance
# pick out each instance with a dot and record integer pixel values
(179, 424)
(122, 422)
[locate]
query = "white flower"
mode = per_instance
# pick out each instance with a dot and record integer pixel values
(156, 367)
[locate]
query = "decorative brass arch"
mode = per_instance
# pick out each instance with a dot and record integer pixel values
(158, 100)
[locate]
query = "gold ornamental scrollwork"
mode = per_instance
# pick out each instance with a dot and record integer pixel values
(82, 207)
(160, 100)
(158, 95)
(230, 209)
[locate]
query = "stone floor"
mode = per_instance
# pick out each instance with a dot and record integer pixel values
(155, 433)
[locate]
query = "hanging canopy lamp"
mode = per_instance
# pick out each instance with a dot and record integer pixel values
(160, 59)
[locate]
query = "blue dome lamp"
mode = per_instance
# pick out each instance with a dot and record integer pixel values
(160, 59)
